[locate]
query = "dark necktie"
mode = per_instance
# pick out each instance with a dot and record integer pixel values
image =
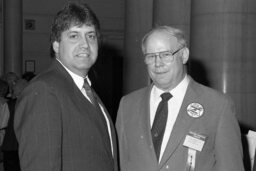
(159, 124)
(91, 94)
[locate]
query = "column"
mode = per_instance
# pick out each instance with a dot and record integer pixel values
(138, 20)
(175, 13)
(1, 39)
(223, 41)
(12, 34)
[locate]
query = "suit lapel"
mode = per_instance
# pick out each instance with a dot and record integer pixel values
(112, 128)
(181, 126)
(145, 109)
(88, 109)
(75, 94)
(83, 104)
(145, 117)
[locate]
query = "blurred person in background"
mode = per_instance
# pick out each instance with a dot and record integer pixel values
(10, 144)
(11, 79)
(4, 111)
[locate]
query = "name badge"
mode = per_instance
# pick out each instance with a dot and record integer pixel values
(194, 141)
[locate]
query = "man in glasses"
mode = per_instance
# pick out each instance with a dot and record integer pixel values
(176, 123)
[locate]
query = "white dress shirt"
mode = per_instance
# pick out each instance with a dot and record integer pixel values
(79, 81)
(174, 105)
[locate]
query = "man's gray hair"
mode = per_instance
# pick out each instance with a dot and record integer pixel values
(174, 32)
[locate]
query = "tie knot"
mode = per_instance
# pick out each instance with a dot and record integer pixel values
(166, 96)
(86, 85)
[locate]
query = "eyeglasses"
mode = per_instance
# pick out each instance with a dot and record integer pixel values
(165, 56)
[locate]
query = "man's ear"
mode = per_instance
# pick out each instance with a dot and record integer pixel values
(55, 46)
(185, 55)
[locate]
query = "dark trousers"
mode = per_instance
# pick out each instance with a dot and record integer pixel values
(11, 161)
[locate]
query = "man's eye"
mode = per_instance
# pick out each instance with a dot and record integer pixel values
(166, 55)
(150, 56)
(92, 36)
(73, 36)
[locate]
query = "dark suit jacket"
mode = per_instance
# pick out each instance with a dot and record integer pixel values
(222, 150)
(58, 129)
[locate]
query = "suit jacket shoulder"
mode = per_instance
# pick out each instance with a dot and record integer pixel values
(138, 94)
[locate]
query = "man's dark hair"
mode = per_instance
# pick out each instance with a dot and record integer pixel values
(75, 13)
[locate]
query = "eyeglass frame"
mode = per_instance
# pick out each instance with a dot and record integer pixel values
(162, 52)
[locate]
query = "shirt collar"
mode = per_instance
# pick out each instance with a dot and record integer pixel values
(180, 89)
(79, 81)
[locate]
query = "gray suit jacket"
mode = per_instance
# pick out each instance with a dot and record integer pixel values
(58, 129)
(222, 150)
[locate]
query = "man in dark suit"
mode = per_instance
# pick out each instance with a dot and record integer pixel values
(58, 125)
(194, 128)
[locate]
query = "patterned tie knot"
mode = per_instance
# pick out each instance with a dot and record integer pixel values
(166, 96)
(86, 85)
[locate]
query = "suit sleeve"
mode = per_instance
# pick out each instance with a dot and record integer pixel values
(228, 146)
(121, 136)
(38, 128)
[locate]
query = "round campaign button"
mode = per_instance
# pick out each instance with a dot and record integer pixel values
(195, 110)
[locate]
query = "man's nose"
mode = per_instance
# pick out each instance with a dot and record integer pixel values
(158, 60)
(84, 42)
